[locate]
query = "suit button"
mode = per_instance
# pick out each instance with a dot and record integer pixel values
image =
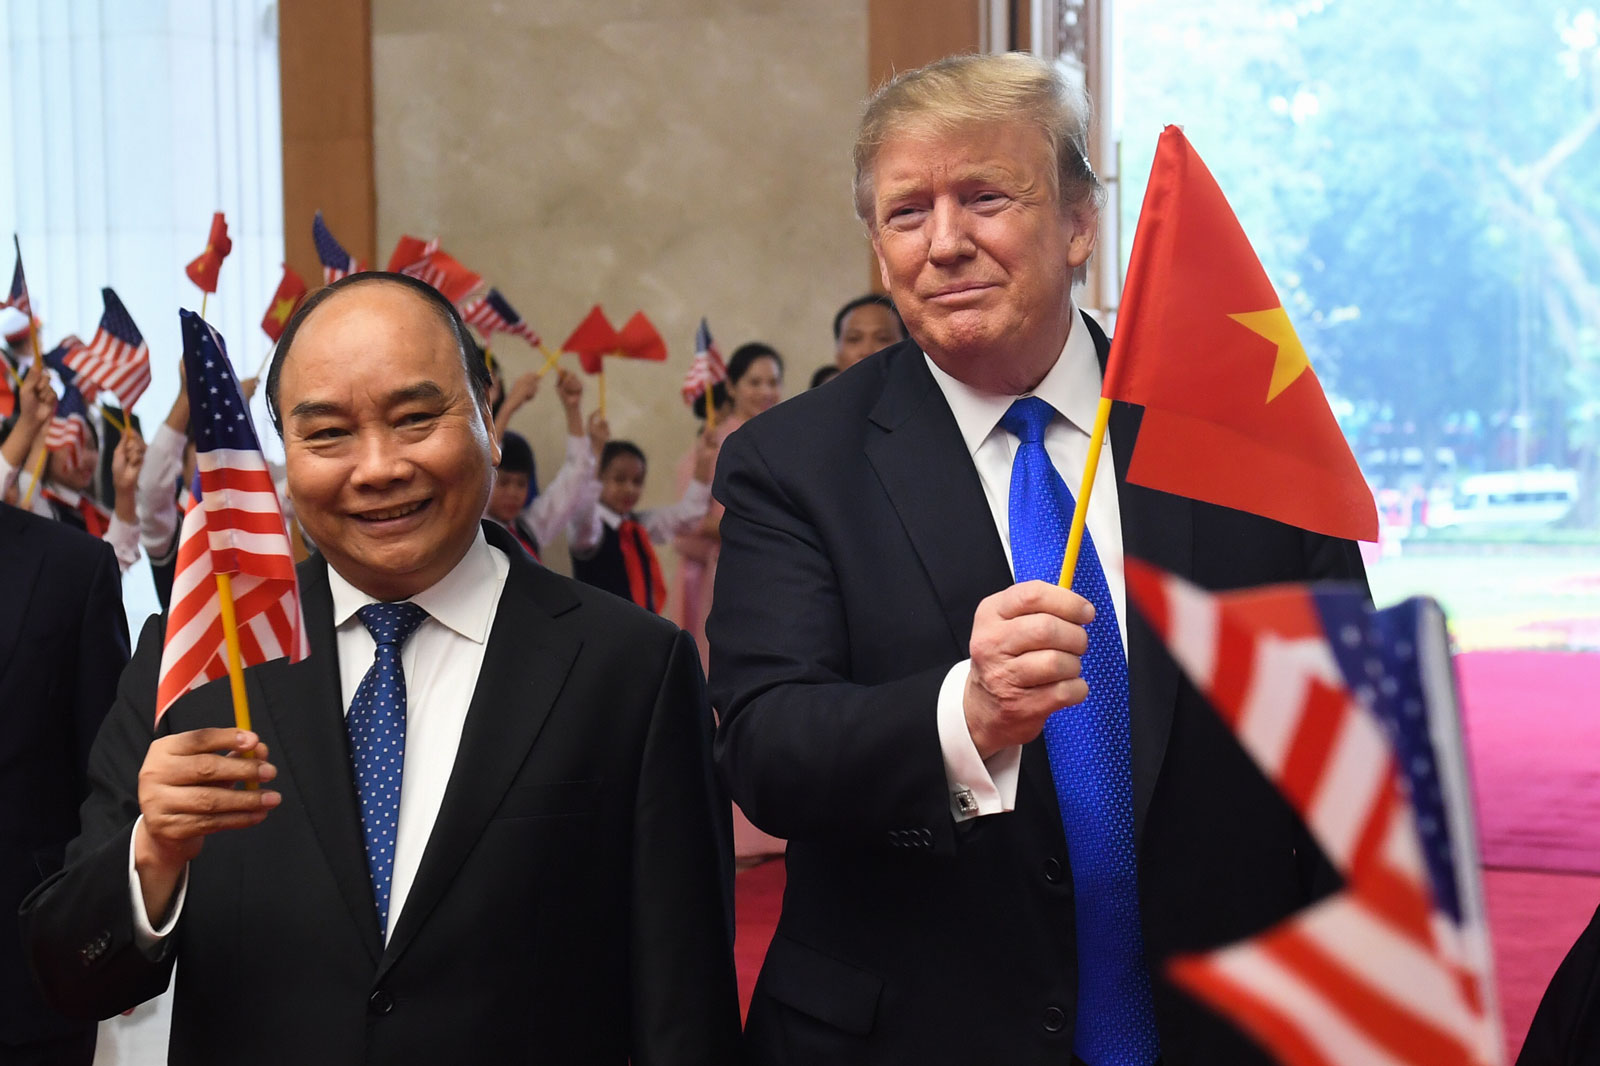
(381, 1003)
(926, 836)
(1054, 1019)
(1052, 871)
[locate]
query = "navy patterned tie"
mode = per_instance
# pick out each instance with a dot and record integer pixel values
(377, 724)
(1091, 764)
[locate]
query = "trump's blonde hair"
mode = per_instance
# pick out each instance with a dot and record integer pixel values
(975, 90)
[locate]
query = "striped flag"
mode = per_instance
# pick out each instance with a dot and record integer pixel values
(707, 368)
(426, 261)
(1351, 714)
(237, 528)
(117, 359)
(17, 296)
(336, 262)
(492, 314)
(59, 359)
(67, 433)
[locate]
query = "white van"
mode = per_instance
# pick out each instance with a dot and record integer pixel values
(1538, 496)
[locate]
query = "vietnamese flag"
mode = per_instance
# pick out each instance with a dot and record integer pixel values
(291, 290)
(1234, 414)
(639, 339)
(593, 340)
(205, 267)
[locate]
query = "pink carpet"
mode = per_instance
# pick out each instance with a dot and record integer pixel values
(1533, 733)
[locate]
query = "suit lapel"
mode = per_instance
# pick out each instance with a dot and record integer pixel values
(524, 667)
(925, 469)
(303, 713)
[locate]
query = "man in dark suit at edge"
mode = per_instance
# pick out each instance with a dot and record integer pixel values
(63, 642)
(549, 880)
(962, 888)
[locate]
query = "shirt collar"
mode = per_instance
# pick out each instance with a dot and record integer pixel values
(463, 600)
(1072, 387)
(611, 518)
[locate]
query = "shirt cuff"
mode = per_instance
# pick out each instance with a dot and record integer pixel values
(579, 451)
(698, 494)
(124, 540)
(977, 786)
(146, 937)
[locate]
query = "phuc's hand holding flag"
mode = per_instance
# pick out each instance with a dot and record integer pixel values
(234, 557)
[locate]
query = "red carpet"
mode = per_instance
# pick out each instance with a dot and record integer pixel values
(1533, 733)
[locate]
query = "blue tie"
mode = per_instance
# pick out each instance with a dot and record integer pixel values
(1090, 762)
(377, 724)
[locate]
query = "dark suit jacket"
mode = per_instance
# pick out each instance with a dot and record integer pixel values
(1566, 1029)
(856, 547)
(63, 641)
(572, 905)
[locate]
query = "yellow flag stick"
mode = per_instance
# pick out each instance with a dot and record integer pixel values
(33, 477)
(550, 359)
(711, 408)
(602, 387)
(204, 295)
(1080, 513)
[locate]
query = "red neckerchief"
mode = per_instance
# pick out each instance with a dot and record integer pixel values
(639, 558)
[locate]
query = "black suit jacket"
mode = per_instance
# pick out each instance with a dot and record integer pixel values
(572, 904)
(856, 547)
(1566, 1029)
(63, 641)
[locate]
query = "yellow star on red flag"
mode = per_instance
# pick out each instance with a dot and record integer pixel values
(1292, 361)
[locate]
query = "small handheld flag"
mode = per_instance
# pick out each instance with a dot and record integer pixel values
(707, 368)
(1351, 714)
(205, 267)
(639, 339)
(61, 359)
(17, 295)
(425, 261)
(409, 251)
(492, 313)
(67, 433)
(593, 340)
(336, 262)
(291, 290)
(1234, 414)
(117, 359)
(235, 597)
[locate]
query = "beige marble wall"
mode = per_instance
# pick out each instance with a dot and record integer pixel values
(686, 157)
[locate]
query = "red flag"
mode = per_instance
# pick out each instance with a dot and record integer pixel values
(445, 273)
(204, 268)
(593, 340)
(409, 251)
(8, 394)
(1326, 696)
(1233, 414)
(291, 290)
(639, 339)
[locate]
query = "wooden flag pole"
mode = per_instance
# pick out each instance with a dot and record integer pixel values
(34, 475)
(1080, 513)
(711, 407)
(549, 362)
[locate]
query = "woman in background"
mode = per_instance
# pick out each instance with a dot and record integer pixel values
(755, 383)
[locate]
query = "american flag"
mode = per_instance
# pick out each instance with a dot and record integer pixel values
(707, 368)
(237, 528)
(68, 431)
(492, 314)
(443, 271)
(336, 262)
(59, 360)
(18, 296)
(1341, 707)
(117, 359)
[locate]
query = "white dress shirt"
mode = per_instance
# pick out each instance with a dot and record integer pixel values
(572, 491)
(660, 524)
(441, 662)
(1072, 387)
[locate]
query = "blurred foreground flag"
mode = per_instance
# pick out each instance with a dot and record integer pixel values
(1234, 414)
(1351, 713)
(236, 528)
(205, 267)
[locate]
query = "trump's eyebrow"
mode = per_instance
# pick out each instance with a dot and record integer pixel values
(422, 390)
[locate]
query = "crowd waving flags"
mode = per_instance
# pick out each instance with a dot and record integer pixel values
(235, 597)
